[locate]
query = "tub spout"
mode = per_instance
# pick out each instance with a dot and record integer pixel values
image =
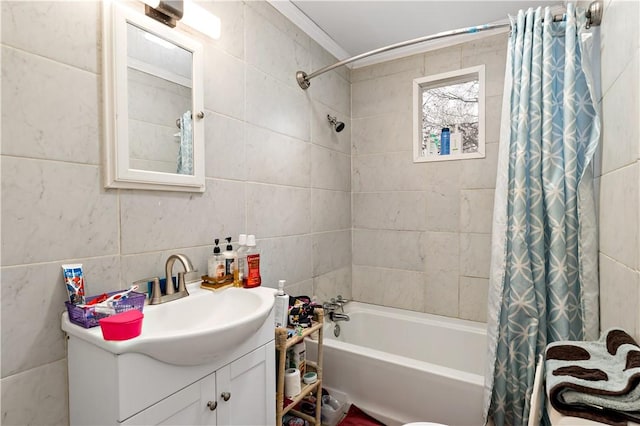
(338, 316)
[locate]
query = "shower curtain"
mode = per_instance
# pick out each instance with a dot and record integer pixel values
(185, 152)
(543, 279)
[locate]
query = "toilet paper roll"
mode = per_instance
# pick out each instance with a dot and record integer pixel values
(292, 382)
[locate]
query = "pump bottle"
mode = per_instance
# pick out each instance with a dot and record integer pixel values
(281, 306)
(240, 260)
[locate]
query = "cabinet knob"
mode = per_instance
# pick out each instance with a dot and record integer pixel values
(212, 405)
(225, 395)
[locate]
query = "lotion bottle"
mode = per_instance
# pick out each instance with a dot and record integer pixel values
(215, 264)
(241, 258)
(281, 306)
(229, 258)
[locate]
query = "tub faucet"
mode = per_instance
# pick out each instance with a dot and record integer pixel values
(333, 305)
(338, 316)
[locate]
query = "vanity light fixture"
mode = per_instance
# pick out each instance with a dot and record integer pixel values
(186, 11)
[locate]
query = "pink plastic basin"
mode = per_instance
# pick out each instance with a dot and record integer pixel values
(124, 326)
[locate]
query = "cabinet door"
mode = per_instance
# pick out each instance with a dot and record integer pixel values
(249, 383)
(190, 406)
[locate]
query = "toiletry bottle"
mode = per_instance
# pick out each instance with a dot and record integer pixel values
(281, 306)
(456, 141)
(252, 264)
(229, 258)
(238, 264)
(215, 265)
(445, 139)
(433, 144)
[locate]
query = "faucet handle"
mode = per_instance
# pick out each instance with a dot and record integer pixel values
(156, 293)
(181, 284)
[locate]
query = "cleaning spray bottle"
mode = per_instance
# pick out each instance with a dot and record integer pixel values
(281, 306)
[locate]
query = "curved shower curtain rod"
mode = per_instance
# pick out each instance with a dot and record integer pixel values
(593, 14)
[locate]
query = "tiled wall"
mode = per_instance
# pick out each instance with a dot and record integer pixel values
(274, 168)
(618, 168)
(421, 232)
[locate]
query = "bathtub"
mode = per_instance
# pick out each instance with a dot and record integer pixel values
(403, 366)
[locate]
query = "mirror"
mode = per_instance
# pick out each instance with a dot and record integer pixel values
(154, 132)
(450, 104)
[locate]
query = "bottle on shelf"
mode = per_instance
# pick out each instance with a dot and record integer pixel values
(215, 264)
(445, 140)
(281, 306)
(229, 258)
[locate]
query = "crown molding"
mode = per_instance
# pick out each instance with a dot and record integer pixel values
(295, 15)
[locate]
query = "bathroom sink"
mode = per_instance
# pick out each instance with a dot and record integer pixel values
(193, 330)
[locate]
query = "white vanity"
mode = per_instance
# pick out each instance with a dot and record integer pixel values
(207, 359)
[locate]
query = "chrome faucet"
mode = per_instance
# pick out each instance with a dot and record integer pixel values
(333, 305)
(170, 293)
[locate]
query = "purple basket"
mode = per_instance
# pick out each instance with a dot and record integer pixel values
(87, 317)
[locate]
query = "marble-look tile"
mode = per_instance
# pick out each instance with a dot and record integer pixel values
(442, 195)
(277, 106)
(331, 250)
(390, 132)
(54, 211)
(277, 19)
(41, 116)
(330, 169)
(408, 63)
(400, 211)
(39, 340)
(287, 258)
(277, 211)
(621, 110)
(495, 63)
(273, 51)
(153, 220)
(276, 158)
(393, 93)
(332, 284)
(224, 147)
(394, 171)
(303, 288)
(475, 255)
(476, 210)
(136, 267)
(36, 397)
(443, 60)
(320, 58)
(333, 90)
(442, 272)
(330, 210)
(492, 119)
(389, 249)
(619, 35)
(324, 134)
(232, 22)
(484, 45)
(153, 143)
(619, 296)
(474, 293)
(619, 209)
(67, 32)
(480, 173)
(224, 83)
(389, 287)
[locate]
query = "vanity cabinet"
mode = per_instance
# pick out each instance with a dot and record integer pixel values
(236, 388)
(236, 394)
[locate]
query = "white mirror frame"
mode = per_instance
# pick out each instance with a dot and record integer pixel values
(118, 173)
(443, 79)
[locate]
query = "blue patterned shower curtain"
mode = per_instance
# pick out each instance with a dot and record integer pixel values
(543, 280)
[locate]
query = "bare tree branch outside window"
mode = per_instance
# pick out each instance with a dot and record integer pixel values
(454, 106)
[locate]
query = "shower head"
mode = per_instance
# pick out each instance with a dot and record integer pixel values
(339, 125)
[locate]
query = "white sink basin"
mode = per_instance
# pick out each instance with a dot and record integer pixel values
(193, 330)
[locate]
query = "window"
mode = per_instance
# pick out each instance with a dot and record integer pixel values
(453, 101)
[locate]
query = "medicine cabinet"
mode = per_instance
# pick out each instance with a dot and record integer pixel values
(153, 103)
(453, 100)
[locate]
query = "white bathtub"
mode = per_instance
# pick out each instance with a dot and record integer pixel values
(403, 366)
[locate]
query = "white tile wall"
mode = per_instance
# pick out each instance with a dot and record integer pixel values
(274, 168)
(427, 222)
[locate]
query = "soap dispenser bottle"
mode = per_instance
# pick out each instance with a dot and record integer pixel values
(229, 258)
(281, 306)
(215, 265)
